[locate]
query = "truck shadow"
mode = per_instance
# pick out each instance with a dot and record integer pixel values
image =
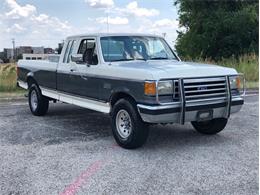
(78, 124)
(69, 124)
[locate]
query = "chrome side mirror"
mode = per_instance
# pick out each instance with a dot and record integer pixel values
(77, 58)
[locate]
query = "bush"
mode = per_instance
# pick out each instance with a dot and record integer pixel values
(8, 78)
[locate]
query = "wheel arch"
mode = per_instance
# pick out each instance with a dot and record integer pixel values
(117, 95)
(30, 79)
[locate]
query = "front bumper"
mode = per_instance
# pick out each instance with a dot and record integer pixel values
(173, 113)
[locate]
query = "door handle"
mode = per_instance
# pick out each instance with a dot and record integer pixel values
(72, 70)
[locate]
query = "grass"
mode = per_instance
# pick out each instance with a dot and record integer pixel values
(246, 64)
(8, 80)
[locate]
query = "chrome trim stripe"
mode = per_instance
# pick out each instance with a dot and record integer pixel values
(78, 101)
(77, 73)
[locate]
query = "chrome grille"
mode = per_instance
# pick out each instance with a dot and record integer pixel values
(202, 88)
(206, 88)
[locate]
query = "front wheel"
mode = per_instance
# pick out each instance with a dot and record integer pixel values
(38, 103)
(211, 127)
(127, 126)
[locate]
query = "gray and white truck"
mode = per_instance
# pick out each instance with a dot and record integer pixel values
(138, 80)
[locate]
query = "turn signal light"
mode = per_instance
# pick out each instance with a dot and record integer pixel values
(149, 88)
(238, 82)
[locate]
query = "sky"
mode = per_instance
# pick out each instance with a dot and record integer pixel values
(48, 22)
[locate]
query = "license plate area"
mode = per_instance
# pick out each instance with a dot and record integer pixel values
(204, 115)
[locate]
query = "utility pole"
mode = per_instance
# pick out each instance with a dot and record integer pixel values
(14, 53)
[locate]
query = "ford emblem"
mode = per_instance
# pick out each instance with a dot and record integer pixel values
(202, 88)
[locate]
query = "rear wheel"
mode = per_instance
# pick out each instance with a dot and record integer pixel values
(38, 103)
(127, 126)
(213, 126)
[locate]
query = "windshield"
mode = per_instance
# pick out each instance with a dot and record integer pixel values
(126, 48)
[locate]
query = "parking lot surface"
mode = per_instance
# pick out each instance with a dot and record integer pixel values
(71, 151)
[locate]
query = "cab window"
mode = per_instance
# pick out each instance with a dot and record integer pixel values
(88, 49)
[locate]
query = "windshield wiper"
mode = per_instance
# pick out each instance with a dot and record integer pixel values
(122, 60)
(159, 58)
(141, 59)
(130, 59)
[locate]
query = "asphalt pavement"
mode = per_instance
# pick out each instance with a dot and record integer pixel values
(72, 151)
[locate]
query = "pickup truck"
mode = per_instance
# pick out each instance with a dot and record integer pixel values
(138, 80)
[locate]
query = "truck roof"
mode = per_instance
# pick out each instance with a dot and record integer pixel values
(111, 34)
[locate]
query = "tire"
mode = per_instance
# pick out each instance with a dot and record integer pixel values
(211, 127)
(129, 130)
(39, 104)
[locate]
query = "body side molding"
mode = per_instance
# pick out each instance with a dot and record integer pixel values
(78, 101)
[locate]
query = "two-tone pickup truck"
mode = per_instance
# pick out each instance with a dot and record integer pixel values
(138, 80)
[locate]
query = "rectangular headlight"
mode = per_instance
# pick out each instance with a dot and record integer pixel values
(237, 83)
(165, 87)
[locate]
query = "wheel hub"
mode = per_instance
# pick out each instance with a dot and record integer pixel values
(123, 124)
(34, 100)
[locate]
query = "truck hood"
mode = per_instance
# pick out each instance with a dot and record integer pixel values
(176, 69)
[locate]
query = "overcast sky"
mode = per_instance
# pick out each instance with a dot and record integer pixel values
(47, 22)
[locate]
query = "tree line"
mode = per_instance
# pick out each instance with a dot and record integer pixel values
(217, 29)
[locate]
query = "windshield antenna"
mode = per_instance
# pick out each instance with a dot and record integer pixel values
(107, 19)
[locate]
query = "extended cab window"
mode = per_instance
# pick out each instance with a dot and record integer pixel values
(66, 52)
(88, 49)
(70, 51)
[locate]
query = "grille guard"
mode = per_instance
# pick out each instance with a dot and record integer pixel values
(182, 96)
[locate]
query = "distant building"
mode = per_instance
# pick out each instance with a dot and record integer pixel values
(2, 55)
(38, 50)
(23, 49)
(33, 56)
(48, 51)
(60, 46)
(8, 53)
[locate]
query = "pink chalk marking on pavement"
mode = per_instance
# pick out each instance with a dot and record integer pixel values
(74, 187)
(86, 175)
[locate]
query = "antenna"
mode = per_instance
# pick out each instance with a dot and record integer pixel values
(107, 19)
(108, 40)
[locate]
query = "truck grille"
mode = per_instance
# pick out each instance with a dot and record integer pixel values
(202, 88)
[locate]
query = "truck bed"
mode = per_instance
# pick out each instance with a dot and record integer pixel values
(43, 71)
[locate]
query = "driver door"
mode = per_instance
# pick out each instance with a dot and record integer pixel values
(84, 82)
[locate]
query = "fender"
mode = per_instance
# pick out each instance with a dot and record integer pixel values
(122, 91)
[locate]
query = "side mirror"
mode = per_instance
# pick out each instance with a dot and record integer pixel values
(77, 58)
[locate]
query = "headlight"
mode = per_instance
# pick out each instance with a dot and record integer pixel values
(165, 88)
(237, 84)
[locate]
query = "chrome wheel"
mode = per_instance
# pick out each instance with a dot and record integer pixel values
(123, 124)
(34, 100)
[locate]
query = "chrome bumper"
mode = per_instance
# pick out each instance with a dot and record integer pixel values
(172, 113)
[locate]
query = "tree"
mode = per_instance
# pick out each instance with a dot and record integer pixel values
(217, 29)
